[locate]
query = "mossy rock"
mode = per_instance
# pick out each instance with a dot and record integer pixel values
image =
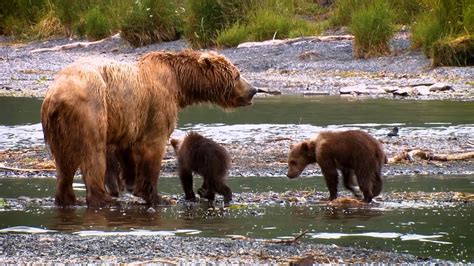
(457, 51)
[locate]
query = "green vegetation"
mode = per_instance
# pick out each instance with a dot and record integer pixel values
(373, 29)
(436, 26)
(454, 51)
(151, 21)
(269, 19)
(96, 24)
(203, 20)
(446, 31)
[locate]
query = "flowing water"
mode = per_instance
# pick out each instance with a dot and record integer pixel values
(441, 230)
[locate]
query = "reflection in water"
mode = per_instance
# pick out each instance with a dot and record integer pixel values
(74, 219)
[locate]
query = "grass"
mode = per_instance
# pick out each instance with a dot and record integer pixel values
(203, 21)
(373, 29)
(266, 20)
(96, 24)
(445, 32)
(233, 36)
(451, 51)
(151, 21)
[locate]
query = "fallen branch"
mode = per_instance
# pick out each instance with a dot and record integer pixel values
(287, 241)
(3, 167)
(429, 156)
(72, 45)
(269, 92)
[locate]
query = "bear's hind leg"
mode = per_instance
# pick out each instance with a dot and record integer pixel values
(93, 173)
(365, 183)
(64, 192)
(112, 176)
(350, 182)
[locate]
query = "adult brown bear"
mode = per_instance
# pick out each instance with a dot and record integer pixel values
(206, 158)
(354, 152)
(96, 105)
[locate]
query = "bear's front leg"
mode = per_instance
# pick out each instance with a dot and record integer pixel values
(329, 171)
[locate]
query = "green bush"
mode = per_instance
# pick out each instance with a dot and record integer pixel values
(454, 51)
(426, 31)
(446, 20)
(341, 14)
(406, 10)
(48, 26)
(267, 19)
(151, 21)
(96, 24)
(204, 19)
(373, 29)
(233, 36)
(267, 24)
(468, 17)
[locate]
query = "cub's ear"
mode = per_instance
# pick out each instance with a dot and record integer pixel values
(174, 143)
(292, 146)
(304, 146)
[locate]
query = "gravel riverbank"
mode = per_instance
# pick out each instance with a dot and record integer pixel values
(74, 249)
(318, 65)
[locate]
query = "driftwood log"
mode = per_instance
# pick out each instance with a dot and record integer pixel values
(410, 155)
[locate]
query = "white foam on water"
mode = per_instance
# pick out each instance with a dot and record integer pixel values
(26, 229)
(388, 235)
(32, 135)
(137, 233)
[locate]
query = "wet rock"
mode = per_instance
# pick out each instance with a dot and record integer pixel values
(404, 91)
(361, 89)
(422, 90)
(440, 87)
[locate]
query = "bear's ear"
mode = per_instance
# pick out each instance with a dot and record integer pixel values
(292, 146)
(205, 60)
(174, 143)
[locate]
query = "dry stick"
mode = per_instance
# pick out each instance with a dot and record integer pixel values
(3, 167)
(269, 92)
(287, 241)
(426, 155)
(72, 45)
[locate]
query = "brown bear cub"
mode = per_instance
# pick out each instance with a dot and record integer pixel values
(353, 152)
(205, 157)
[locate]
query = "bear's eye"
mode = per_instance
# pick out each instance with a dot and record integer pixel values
(292, 162)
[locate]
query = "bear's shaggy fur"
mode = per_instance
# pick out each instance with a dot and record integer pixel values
(205, 157)
(96, 105)
(354, 152)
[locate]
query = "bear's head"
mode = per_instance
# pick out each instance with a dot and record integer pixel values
(224, 82)
(200, 77)
(300, 155)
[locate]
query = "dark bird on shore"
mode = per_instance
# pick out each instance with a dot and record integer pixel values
(393, 133)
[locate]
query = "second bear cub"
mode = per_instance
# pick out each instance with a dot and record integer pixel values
(203, 156)
(358, 155)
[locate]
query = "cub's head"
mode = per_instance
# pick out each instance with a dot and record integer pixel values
(226, 85)
(300, 155)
